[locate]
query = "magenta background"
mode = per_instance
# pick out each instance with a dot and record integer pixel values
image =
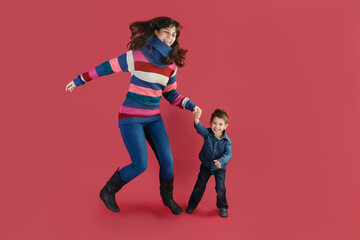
(286, 71)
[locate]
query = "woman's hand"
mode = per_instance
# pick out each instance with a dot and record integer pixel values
(70, 87)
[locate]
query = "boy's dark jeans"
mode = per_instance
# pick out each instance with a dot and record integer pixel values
(200, 187)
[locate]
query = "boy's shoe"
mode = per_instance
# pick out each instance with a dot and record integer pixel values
(189, 210)
(223, 213)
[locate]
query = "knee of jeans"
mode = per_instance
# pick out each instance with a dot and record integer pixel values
(220, 189)
(201, 184)
(140, 168)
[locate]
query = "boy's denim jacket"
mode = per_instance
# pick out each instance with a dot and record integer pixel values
(214, 148)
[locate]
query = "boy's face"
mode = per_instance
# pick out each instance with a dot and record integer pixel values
(218, 126)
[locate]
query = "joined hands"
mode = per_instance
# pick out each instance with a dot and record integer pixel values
(197, 114)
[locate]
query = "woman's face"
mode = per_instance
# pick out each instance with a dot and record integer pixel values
(167, 35)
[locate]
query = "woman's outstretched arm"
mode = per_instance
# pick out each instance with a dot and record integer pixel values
(118, 64)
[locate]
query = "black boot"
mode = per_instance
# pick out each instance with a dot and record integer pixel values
(107, 193)
(166, 192)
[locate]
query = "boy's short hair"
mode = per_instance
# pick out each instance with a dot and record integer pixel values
(220, 114)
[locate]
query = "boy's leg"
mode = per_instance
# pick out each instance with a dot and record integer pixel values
(221, 201)
(199, 187)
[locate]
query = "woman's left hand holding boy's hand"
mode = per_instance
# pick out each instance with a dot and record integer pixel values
(197, 112)
(217, 163)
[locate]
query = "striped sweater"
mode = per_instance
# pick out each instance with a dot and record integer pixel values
(150, 79)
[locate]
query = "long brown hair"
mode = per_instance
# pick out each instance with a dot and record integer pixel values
(142, 31)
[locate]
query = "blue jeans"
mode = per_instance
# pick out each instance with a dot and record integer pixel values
(200, 187)
(135, 136)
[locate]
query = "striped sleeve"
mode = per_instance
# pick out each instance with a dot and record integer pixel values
(118, 64)
(173, 97)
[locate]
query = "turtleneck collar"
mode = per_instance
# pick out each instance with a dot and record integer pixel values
(155, 51)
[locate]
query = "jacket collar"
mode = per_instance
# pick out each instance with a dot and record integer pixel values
(225, 136)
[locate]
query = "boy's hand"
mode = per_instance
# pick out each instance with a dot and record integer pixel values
(217, 163)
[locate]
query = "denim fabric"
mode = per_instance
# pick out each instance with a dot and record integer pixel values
(214, 148)
(200, 186)
(135, 136)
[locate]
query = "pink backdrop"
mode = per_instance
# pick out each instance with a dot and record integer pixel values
(286, 71)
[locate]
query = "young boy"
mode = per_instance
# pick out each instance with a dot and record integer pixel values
(216, 152)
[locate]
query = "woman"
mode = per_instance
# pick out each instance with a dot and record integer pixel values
(153, 58)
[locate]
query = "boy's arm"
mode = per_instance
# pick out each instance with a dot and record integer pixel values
(200, 129)
(227, 154)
